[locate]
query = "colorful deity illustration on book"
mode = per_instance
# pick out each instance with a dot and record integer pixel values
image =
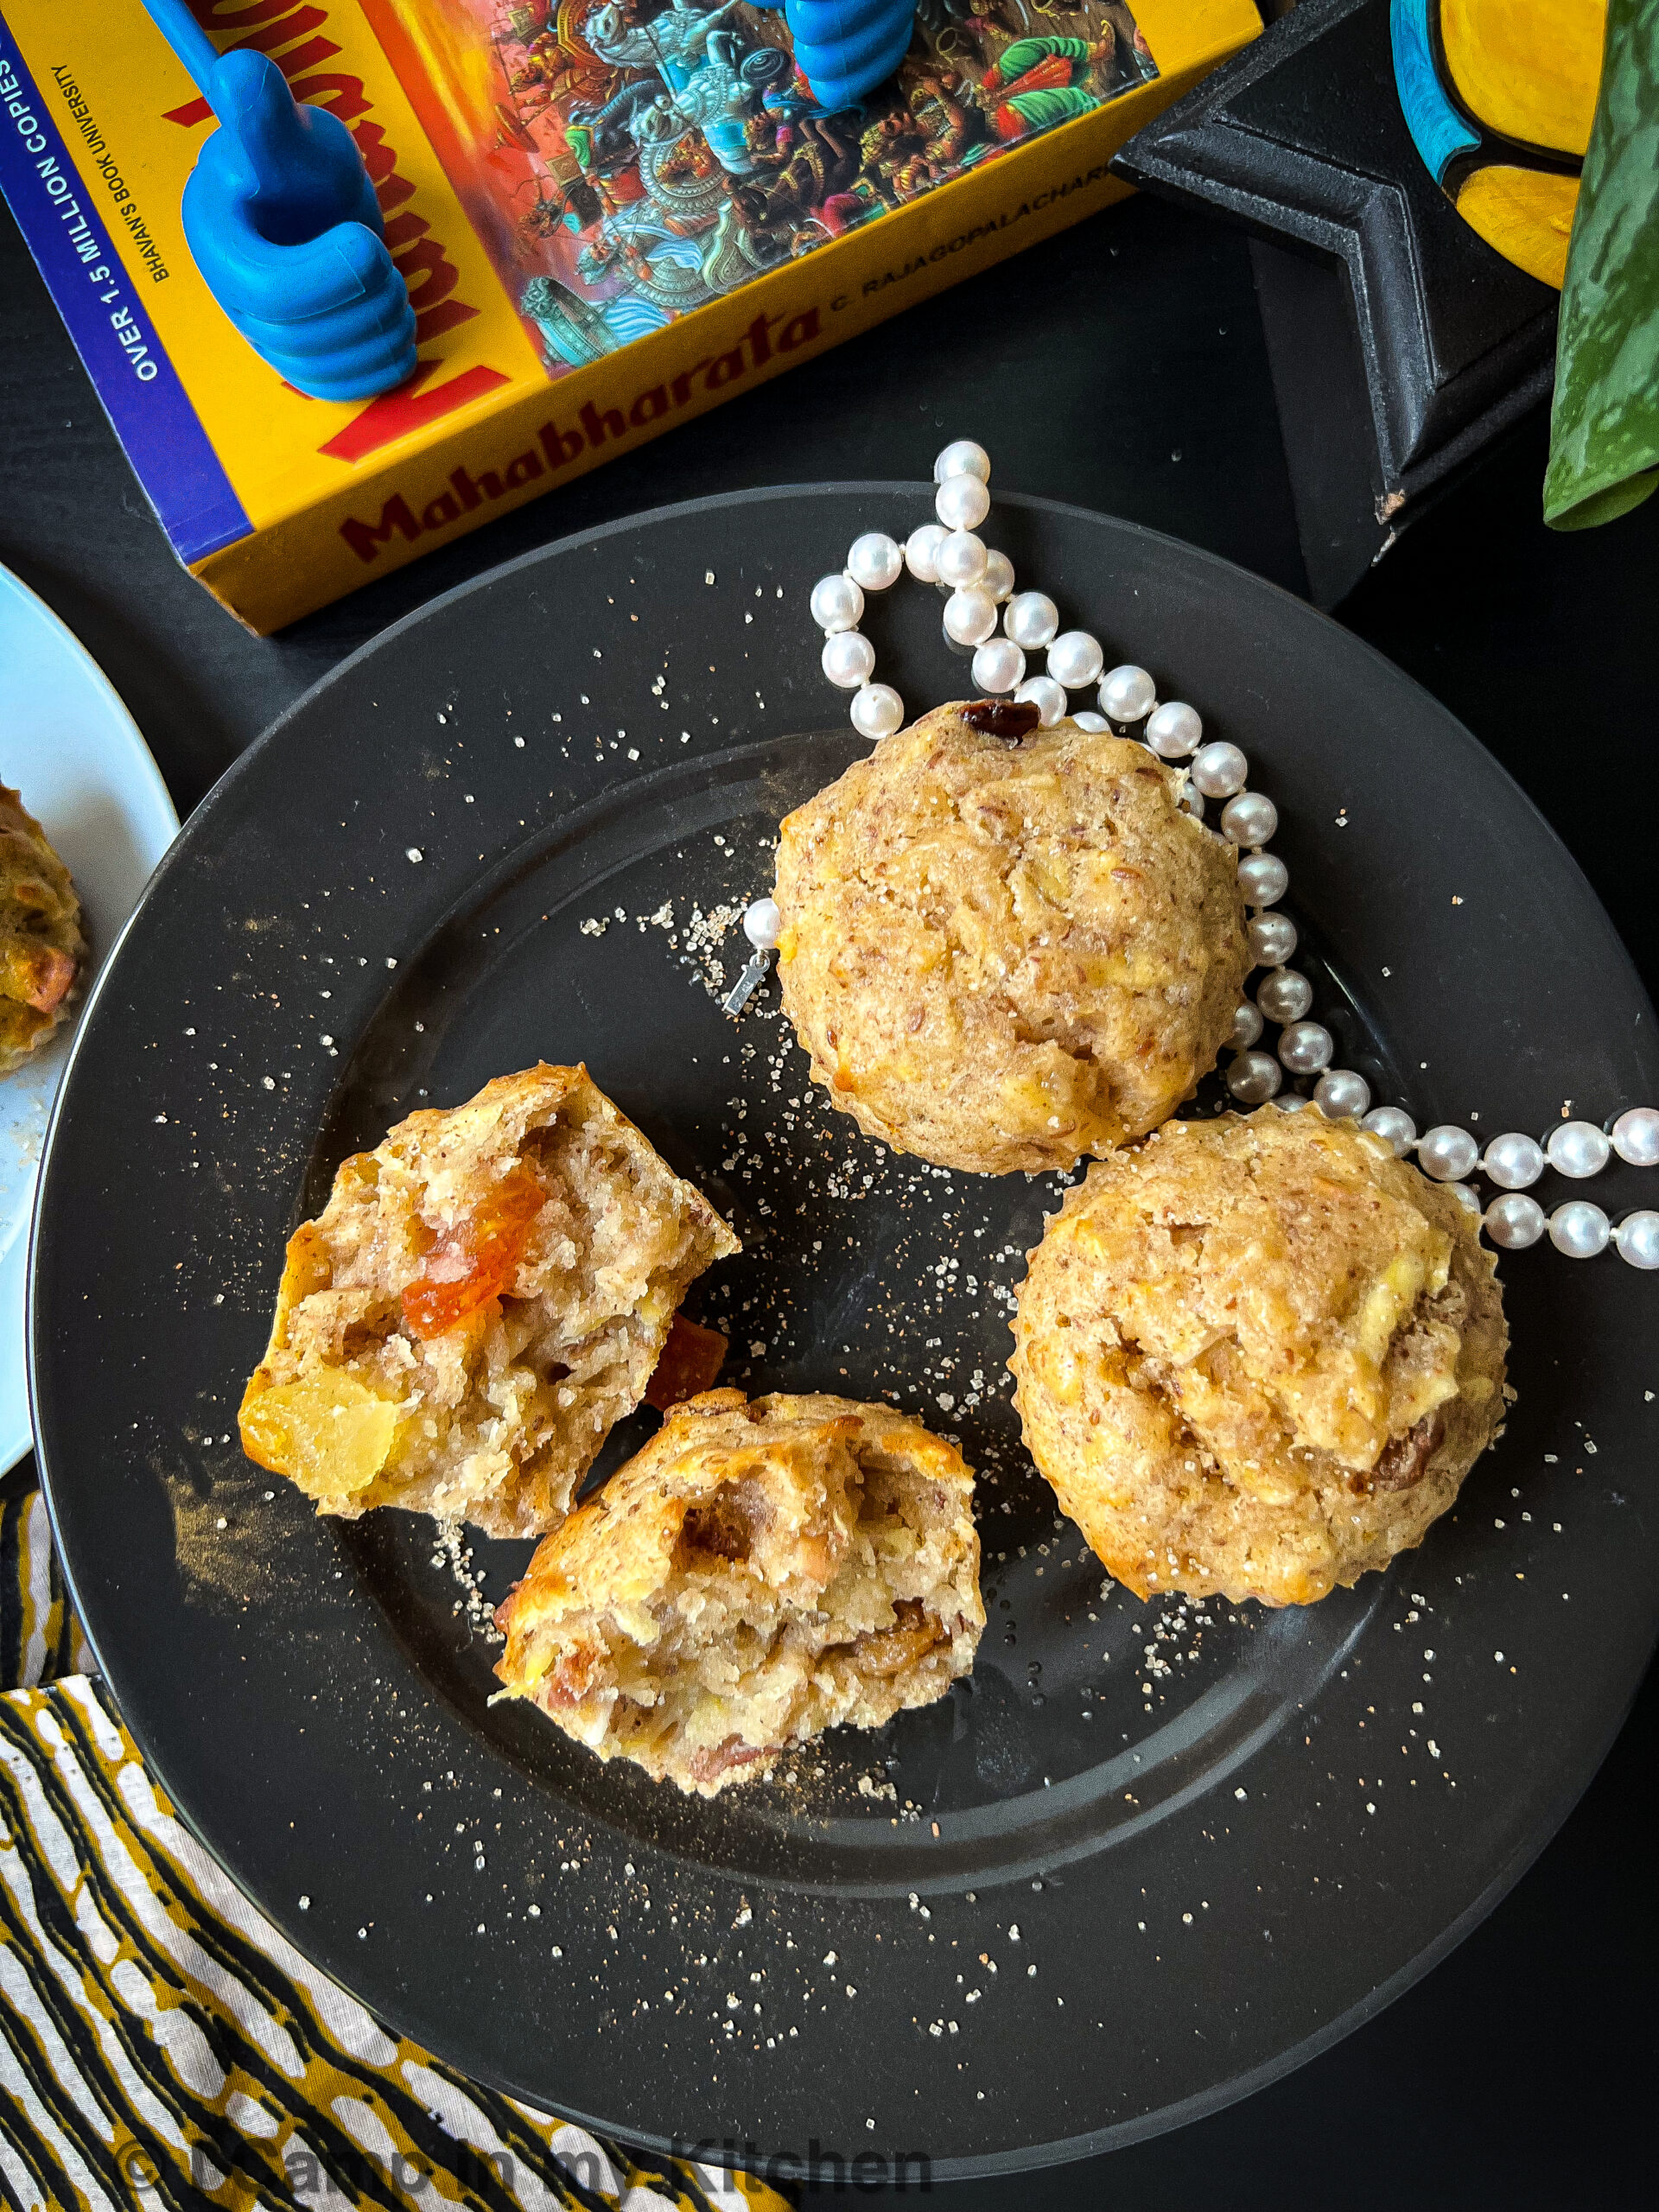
(624, 161)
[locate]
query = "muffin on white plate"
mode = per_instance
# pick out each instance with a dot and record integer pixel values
(42, 944)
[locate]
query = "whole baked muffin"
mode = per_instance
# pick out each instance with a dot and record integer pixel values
(41, 945)
(1257, 1356)
(761, 1572)
(484, 1296)
(1005, 947)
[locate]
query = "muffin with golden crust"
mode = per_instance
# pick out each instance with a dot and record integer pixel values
(42, 949)
(485, 1294)
(761, 1572)
(1257, 1356)
(1005, 947)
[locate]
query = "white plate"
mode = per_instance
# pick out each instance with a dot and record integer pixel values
(71, 747)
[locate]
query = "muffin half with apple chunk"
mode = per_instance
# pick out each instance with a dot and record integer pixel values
(760, 1573)
(484, 1296)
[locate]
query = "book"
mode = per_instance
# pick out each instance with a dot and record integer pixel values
(611, 216)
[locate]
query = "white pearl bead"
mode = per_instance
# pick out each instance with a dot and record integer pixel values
(961, 503)
(877, 710)
(962, 560)
(762, 923)
(1342, 1093)
(962, 457)
(1578, 1150)
(848, 658)
(1579, 1229)
(1465, 1198)
(836, 603)
(1638, 1239)
(1047, 695)
(922, 552)
(1030, 618)
(1250, 819)
(1447, 1153)
(1075, 660)
(1174, 729)
(1284, 995)
(1394, 1125)
(1191, 801)
(1253, 1077)
(1247, 1025)
(1273, 938)
(1306, 1047)
(1219, 769)
(1263, 878)
(1636, 1137)
(999, 664)
(1127, 693)
(875, 560)
(1096, 725)
(998, 578)
(1292, 1101)
(1513, 1162)
(1514, 1221)
(970, 616)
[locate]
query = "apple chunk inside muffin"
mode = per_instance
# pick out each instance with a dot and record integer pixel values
(484, 1296)
(760, 1573)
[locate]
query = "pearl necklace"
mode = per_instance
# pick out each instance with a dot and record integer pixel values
(978, 581)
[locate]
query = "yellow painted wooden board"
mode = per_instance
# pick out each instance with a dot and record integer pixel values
(1530, 74)
(1527, 70)
(1527, 214)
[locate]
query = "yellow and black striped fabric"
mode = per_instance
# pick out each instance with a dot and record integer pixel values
(162, 2047)
(40, 1637)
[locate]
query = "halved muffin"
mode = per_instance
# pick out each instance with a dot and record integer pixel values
(484, 1296)
(760, 1573)
(42, 949)
(1258, 1356)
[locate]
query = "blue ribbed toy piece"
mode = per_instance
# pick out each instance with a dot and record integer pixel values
(284, 224)
(845, 49)
(1440, 133)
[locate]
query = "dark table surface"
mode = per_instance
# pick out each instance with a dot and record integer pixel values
(1120, 366)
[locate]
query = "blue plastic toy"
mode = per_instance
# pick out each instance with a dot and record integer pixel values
(845, 49)
(284, 227)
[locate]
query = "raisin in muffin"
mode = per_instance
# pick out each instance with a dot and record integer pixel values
(1257, 1356)
(760, 1573)
(485, 1294)
(1006, 947)
(42, 949)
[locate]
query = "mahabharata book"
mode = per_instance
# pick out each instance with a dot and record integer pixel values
(610, 215)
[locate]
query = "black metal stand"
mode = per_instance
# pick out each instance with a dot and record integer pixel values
(1401, 344)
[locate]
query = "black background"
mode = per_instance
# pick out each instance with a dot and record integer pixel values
(1119, 366)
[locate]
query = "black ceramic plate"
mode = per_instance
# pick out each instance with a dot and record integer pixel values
(1148, 1857)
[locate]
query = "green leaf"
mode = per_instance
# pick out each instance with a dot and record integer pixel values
(1604, 442)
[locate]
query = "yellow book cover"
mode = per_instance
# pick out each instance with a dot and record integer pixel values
(610, 215)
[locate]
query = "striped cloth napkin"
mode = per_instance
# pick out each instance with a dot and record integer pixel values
(162, 2046)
